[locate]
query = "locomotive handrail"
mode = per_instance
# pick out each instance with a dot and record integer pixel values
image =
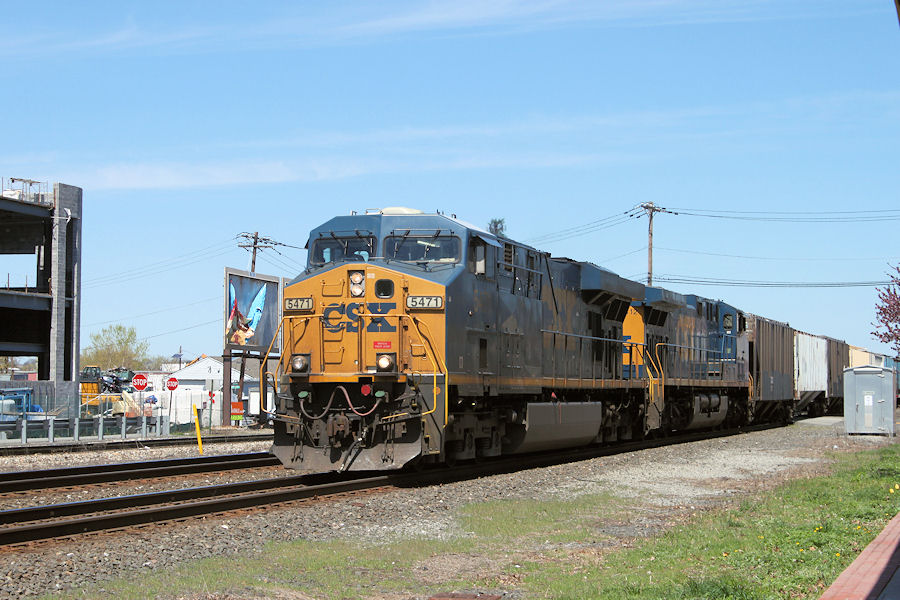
(644, 352)
(284, 318)
(692, 348)
(443, 367)
(657, 383)
(439, 365)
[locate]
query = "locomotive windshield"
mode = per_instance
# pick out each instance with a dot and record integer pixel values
(333, 249)
(439, 248)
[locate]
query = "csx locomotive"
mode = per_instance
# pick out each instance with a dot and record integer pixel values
(416, 338)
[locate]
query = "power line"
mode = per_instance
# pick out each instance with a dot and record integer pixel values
(288, 258)
(768, 284)
(854, 216)
(278, 264)
(180, 329)
(155, 312)
(591, 227)
(139, 275)
(606, 260)
(778, 258)
(160, 267)
(288, 246)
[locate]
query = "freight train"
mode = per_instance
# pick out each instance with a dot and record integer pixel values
(416, 338)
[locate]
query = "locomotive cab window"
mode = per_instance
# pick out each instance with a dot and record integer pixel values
(429, 249)
(334, 249)
(728, 322)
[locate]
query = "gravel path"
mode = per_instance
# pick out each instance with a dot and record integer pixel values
(670, 482)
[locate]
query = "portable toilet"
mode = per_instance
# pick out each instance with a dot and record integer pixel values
(869, 400)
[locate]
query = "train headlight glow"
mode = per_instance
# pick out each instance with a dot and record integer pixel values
(300, 363)
(386, 362)
(357, 283)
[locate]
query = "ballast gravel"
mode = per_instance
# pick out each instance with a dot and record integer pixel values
(667, 481)
(125, 488)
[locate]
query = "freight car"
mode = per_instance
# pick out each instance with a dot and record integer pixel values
(414, 337)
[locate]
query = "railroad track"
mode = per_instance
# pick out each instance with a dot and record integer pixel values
(19, 481)
(29, 525)
(10, 449)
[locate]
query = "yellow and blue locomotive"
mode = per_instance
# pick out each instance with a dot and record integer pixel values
(415, 337)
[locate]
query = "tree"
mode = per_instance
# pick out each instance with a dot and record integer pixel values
(497, 227)
(116, 346)
(887, 312)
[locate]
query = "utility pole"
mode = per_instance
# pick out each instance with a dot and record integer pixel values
(650, 209)
(258, 243)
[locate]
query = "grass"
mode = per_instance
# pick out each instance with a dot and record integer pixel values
(788, 543)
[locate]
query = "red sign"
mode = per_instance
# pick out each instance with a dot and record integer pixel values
(212, 396)
(139, 381)
(381, 345)
(171, 383)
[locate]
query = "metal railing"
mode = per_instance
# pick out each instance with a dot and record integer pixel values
(26, 190)
(637, 354)
(84, 429)
(694, 362)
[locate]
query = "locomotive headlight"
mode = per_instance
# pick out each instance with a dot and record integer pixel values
(300, 363)
(386, 363)
(357, 283)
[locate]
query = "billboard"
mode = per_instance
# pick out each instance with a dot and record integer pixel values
(252, 311)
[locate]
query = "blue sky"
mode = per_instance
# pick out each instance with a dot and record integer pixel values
(189, 123)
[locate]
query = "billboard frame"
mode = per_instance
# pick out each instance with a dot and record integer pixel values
(247, 285)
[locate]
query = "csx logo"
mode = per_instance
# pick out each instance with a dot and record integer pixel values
(336, 317)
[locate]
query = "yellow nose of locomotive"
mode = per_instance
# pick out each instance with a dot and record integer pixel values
(365, 376)
(356, 320)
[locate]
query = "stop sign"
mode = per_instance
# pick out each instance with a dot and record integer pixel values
(171, 383)
(139, 381)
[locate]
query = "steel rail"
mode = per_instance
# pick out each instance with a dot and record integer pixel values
(285, 489)
(144, 508)
(8, 448)
(17, 481)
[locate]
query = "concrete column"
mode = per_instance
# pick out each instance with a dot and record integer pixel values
(65, 289)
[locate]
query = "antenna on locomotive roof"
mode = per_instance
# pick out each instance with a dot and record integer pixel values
(652, 209)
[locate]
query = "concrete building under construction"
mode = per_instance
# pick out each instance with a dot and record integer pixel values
(42, 317)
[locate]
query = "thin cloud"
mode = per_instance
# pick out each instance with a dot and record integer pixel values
(530, 143)
(136, 176)
(359, 24)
